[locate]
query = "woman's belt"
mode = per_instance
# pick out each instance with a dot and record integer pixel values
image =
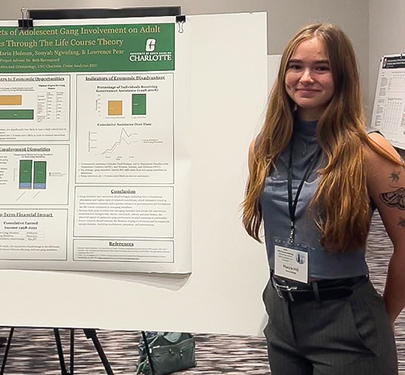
(320, 290)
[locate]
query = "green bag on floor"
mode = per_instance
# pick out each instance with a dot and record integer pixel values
(170, 352)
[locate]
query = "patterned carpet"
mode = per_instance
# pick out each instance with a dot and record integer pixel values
(33, 351)
(379, 250)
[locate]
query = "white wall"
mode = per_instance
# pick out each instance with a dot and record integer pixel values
(376, 27)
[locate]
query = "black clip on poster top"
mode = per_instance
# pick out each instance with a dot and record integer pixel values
(25, 23)
(181, 20)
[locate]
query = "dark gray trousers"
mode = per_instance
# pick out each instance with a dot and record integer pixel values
(348, 336)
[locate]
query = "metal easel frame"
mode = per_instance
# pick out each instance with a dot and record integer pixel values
(90, 334)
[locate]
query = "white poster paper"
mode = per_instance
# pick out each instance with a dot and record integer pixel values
(94, 159)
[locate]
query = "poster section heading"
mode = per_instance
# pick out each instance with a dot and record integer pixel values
(143, 47)
(393, 62)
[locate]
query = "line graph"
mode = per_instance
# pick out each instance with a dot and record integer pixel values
(125, 139)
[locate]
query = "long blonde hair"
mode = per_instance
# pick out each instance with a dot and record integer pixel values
(341, 202)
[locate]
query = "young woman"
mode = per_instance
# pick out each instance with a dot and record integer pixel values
(315, 179)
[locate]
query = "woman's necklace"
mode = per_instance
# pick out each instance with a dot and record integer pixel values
(305, 149)
(305, 144)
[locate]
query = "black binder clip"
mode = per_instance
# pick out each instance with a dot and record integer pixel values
(181, 20)
(25, 23)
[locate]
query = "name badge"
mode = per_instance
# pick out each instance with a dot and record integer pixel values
(291, 263)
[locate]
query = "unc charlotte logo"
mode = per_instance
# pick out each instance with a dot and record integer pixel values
(150, 45)
(150, 54)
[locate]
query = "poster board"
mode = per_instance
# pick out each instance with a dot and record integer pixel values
(273, 62)
(389, 102)
(229, 270)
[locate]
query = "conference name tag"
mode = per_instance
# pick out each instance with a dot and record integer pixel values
(291, 263)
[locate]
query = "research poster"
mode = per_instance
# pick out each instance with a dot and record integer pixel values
(94, 164)
(389, 103)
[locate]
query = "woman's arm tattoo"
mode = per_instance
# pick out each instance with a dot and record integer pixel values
(395, 177)
(394, 199)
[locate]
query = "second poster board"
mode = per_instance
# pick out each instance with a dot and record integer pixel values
(389, 103)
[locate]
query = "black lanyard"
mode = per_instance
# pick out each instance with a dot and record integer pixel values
(292, 205)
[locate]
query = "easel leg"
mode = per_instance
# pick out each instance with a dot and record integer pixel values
(72, 350)
(3, 365)
(148, 352)
(60, 352)
(91, 334)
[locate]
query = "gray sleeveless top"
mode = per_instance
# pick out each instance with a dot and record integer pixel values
(276, 217)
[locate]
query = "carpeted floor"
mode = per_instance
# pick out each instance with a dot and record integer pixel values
(33, 351)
